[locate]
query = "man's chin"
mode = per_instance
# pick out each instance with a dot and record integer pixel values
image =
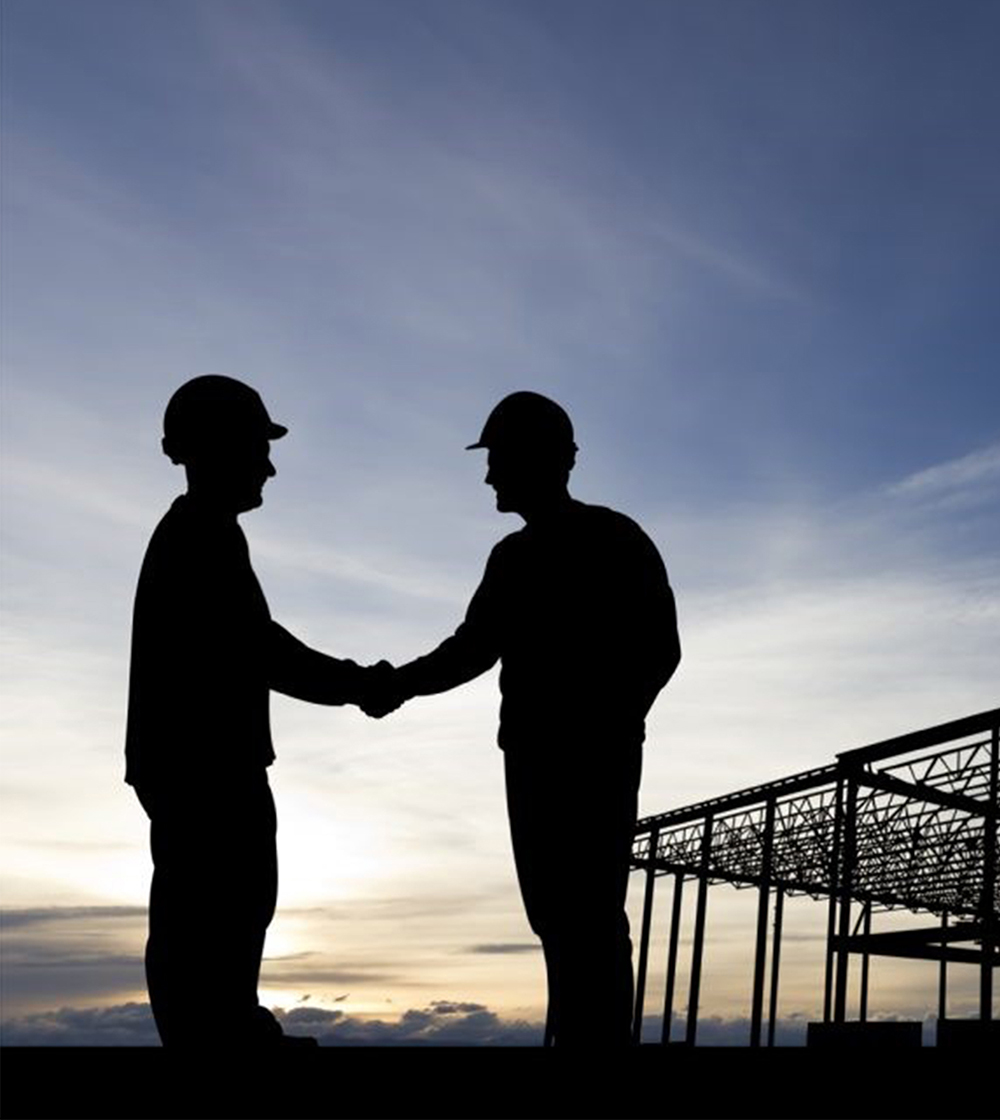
(251, 501)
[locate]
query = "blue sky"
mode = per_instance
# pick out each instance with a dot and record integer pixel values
(752, 247)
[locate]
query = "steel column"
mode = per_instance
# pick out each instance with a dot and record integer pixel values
(865, 959)
(764, 898)
(779, 907)
(845, 886)
(699, 930)
(647, 914)
(989, 882)
(831, 918)
(675, 926)
(943, 972)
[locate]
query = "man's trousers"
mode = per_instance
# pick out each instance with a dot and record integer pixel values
(572, 823)
(214, 890)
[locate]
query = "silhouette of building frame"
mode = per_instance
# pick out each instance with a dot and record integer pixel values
(909, 823)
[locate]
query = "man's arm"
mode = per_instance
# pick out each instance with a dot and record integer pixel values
(470, 651)
(458, 659)
(300, 671)
(657, 639)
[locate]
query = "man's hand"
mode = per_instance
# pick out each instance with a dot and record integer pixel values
(380, 693)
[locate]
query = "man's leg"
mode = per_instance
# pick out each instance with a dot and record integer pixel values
(251, 898)
(596, 947)
(572, 832)
(212, 897)
(597, 957)
(535, 841)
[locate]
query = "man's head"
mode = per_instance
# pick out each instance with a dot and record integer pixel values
(219, 429)
(531, 449)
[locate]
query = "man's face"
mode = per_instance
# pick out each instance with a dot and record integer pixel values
(516, 478)
(235, 472)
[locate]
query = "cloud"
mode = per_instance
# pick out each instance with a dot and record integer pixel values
(715, 1030)
(507, 947)
(277, 974)
(128, 1024)
(56, 954)
(17, 919)
(968, 480)
(440, 1023)
(66, 952)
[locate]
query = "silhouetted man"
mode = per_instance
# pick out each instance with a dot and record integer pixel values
(205, 655)
(577, 608)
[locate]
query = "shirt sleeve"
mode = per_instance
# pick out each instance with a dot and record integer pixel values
(296, 669)
(474, 647)
(656, 638)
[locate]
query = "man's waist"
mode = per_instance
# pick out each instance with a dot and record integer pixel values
(554, 731)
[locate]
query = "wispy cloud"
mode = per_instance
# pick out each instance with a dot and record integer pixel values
(968, 480)
(86, 915)
(506, 947)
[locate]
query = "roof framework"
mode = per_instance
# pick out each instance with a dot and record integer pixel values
(909, 823)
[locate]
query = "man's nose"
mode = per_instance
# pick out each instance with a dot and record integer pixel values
(271, 472)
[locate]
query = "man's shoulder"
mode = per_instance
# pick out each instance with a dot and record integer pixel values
(184, 522)
(603, 519)
(185, 540)
(175, 533)
(509, 545)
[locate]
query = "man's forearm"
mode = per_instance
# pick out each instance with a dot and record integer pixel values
(297, 670)
(455, 661)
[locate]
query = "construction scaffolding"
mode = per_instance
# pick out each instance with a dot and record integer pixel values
(905, 824)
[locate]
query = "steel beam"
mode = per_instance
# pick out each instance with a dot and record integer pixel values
(928, 737)
(889, 948)
(820, 777)
(915, 791)
(984, 721)
(964, 931)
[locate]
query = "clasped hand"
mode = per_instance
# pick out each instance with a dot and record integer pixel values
(379, 693)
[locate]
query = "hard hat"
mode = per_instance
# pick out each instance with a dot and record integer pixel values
(214, 409)
(529, 420)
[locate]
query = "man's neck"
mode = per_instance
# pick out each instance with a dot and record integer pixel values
(548, 508)
(209, 504)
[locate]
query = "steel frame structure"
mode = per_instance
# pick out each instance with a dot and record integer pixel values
(909, 823)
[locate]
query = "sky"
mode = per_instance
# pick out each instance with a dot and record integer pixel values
(750, 246)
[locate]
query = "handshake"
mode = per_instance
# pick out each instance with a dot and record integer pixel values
(379, 691)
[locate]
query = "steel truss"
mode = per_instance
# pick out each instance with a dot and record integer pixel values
(909, 823)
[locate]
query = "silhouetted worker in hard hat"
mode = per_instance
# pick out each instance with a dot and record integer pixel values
(205, 655)
(577, 608)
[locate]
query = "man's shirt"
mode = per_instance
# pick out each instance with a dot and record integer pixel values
(579, 610)
(198, 685)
